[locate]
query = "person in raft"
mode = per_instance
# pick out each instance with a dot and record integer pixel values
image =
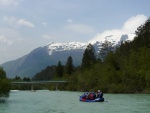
(90, 95)
(99, 94)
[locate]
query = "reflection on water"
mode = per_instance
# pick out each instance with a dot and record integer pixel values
(68, 102)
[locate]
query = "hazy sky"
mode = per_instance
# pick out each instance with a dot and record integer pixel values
(28, 24)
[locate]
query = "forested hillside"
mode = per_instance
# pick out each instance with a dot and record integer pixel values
(127, 70)
(46, 74)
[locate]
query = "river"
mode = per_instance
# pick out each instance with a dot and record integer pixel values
(45, 101)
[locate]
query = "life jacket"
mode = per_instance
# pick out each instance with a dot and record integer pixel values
(100, 95)
(91, 96)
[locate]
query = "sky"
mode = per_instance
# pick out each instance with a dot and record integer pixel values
(28, 24)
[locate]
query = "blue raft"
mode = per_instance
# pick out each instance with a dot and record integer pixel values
(88, 100)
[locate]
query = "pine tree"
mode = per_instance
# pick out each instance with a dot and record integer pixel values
(107, 47)
(2, 74)
(69, 66)
(89, 57)
(142, 36)
(59, 70)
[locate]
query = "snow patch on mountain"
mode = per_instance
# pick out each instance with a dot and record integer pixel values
(115, 39)
(65, 46)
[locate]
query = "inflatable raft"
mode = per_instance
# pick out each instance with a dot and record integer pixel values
(93, 99)
(89, 100)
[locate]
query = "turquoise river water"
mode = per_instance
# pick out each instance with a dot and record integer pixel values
(68, 102)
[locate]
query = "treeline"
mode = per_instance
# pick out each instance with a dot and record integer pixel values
(21, 86)
(56, 71)
(125, 70)
(4, 85)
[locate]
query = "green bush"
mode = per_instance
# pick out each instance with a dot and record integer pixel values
(4, 85)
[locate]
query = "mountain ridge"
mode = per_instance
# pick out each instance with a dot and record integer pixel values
(41, 57)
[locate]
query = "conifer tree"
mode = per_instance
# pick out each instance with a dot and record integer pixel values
(69, 66)
(142, 35)
(107, 47)
(59, 70)
(89, 57)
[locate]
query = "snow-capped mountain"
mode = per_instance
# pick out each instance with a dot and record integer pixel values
(40, 58)
(114, 39)
(53, 47)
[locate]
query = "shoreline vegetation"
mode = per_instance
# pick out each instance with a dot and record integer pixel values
(4, 86)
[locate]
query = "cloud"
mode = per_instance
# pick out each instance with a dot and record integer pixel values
(9, 20)
(4, 40)
(9, 36)
(10, 2)
(129, 27)
(23, 22)
(44, 24)
(70, 21)
(132, 23)
(17, 22)
(47, 36)
(79, 28)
